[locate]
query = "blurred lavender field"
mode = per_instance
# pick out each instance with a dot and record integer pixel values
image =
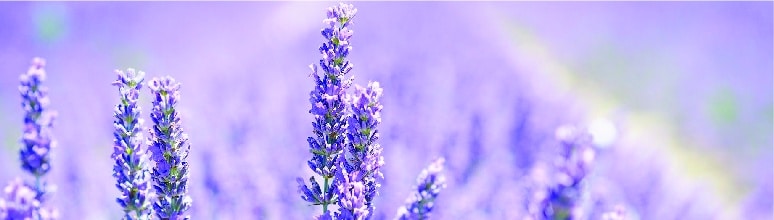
(678, 96)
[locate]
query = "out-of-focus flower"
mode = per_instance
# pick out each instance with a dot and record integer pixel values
(38, 120)
(329, 105)
(37, 139)
(365, 154)
(561, 199)
(20, 202)
(169, 150)
(421, 201)
(131, 158)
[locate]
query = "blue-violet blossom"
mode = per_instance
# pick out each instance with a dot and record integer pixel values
(329, 104)
(37, 139)
(131, 158)
(351, 195)
(38, 120)
(169, 150)
(364, 158)
(421, 201)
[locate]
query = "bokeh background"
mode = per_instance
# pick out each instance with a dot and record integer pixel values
(678, 94)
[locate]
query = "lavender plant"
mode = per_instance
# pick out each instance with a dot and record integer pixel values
(364, 159)
(37, 139)
(329, 105)
(563, 198)
(169, 150)
(421, 201)
(131, 158)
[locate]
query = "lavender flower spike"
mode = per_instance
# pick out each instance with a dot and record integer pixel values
(328, 99)
(37, 140)
(20, 202)
(131, 158)
(38, 120)
(429, 185)
(169, 150)
(364, 153)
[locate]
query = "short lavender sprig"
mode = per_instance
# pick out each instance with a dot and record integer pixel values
(421, 202)
(364, 153)
(37, 139)
(329, 107)
(131, 158)
(169, 150)
(563, 198)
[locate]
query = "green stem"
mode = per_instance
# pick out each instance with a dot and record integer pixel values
(37, 192)
(325, 189)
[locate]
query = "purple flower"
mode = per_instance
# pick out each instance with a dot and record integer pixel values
(38, 120)
(562, 198)
(351, 194)
(20, 202)
(131, 158)
(35, 155)
(169, 150)
(329, 105)
(364, 154)
(421, 201)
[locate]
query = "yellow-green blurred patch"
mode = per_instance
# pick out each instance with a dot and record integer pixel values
(51, 21)
(724, 107)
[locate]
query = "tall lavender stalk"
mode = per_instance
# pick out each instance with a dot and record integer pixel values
(169, 150)
(364, 155)
(563, 198)
(131, 158)
(421, 201)
(329, 107)
(37, 139)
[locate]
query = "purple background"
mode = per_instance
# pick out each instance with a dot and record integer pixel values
(688, 87)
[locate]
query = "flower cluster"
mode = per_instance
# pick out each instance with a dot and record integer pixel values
(364, 156)
(131, 158)
(351, 194)
(21, 202)
(562, 199)
(169, 150)
(26, 200)
(421, 201)
(38, 120)
(329, 107)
